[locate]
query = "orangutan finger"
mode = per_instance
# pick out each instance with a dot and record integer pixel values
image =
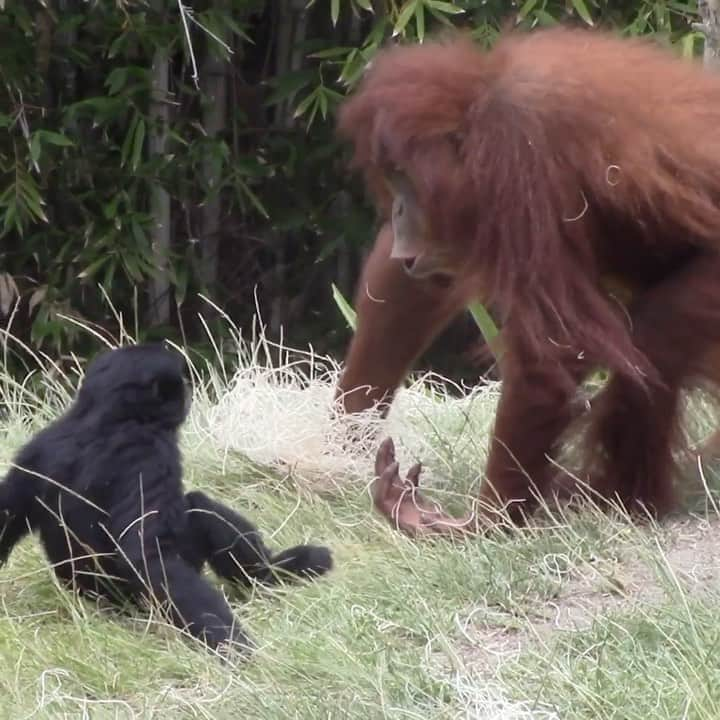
(384, 456)
(391, 470)
(413, 474)
(383, 485)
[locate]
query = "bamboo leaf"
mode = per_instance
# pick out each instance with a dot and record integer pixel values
(138, 144)
(545, 18)
(254, 199)
(181, 284)
(31, 197)
(487, 328)
(582, 11)
(117, 45)
(55, 138)
(323, 102)
(127, 142)
(116, 80)
(420, 21)
(11, 220)
(8, 292)
(483, 320)
(93, 267)
(353, 67)
(36, 298)
(235, 28)
(526, 9)
(109, 209)
(344, 306)
(306, 103)
(35, 148)
(132, 267)
(288, 84)
(331, 53)
(688, 44)
(406, 13)
(109, 274)
(445, 7)
(141, 241)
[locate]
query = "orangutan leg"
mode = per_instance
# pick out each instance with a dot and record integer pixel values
(397, 319)
(676, 324)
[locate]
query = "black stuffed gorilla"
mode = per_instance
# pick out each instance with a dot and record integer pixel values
(102, 486)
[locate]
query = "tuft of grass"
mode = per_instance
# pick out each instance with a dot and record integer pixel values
(579, 615)
(659, 663)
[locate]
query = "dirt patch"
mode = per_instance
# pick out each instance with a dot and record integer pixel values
(693, 552)
(683, 557)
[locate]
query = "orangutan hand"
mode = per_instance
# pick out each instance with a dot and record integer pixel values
(402, 503)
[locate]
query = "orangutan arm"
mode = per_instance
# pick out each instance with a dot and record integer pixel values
(397, 319)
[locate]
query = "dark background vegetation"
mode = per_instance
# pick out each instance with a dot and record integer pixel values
(164, 151)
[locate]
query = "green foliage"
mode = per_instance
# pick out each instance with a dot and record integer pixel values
(345, 308)
(83, 147)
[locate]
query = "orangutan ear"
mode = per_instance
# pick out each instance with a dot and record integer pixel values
(409, 225)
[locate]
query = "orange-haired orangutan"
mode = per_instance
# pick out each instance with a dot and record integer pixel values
(537, 177)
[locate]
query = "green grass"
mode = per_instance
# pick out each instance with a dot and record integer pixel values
(660, 663)
(399, 629)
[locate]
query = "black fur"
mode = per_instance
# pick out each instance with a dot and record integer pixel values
(102, 486)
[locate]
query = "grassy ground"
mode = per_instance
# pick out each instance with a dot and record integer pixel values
(580, 616)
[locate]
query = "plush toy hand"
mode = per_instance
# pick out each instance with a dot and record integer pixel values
(402, 502)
